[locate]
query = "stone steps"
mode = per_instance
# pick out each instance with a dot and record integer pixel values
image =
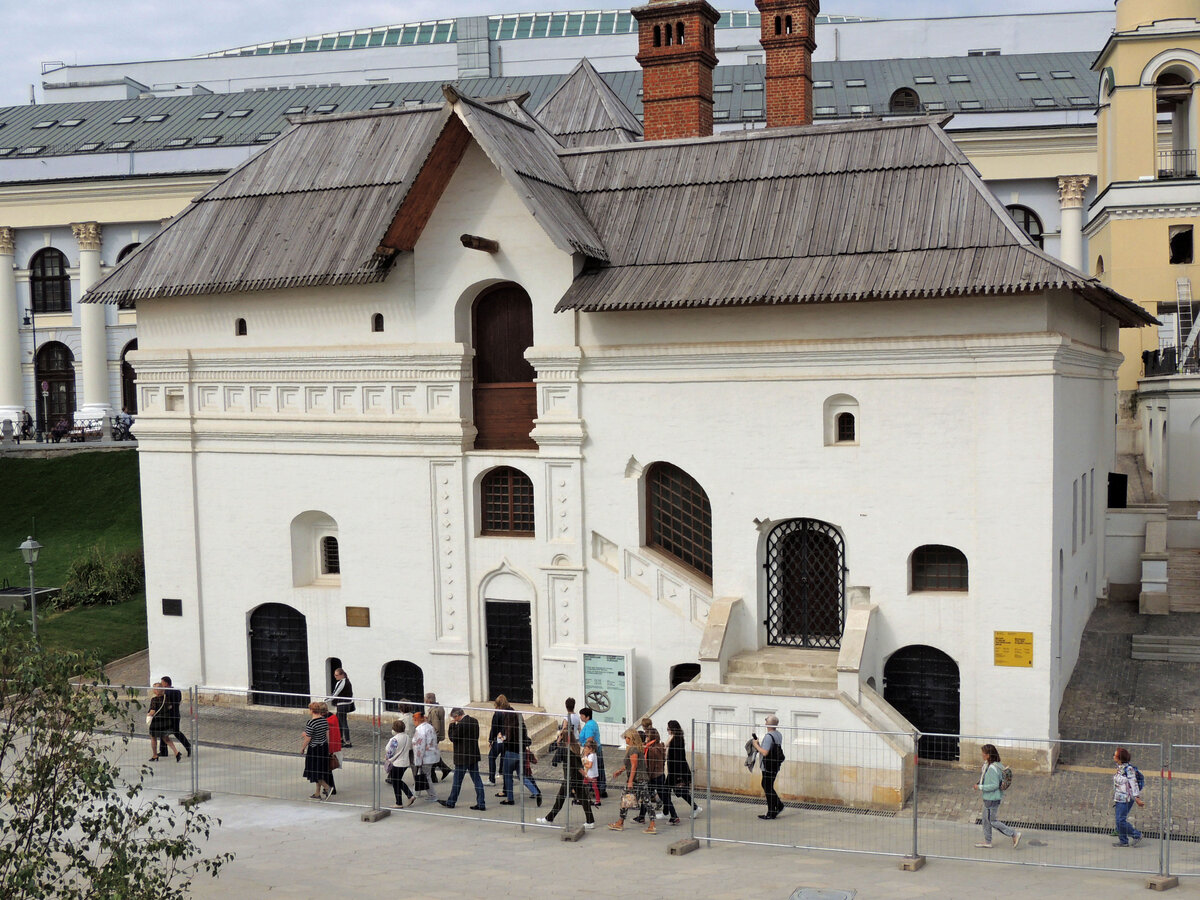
(1183, 580)
(783, 667)
(1167, 647)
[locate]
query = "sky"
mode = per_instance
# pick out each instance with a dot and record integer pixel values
(87, 31)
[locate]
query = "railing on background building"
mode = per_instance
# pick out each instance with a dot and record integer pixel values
(1176, 164)
(840, 790)
(1164, 361)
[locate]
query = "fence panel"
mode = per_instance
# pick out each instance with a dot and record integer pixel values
(1060, 802)
(1183, 786)
(840, 790)
(131, 751)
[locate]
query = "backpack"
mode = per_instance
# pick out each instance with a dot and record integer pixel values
(656, 758)
(774, 758)
(1005, 777)
(1141, 779)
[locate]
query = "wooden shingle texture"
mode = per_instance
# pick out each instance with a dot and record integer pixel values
(585, 111)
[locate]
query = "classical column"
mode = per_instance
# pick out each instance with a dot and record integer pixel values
(11, 398)
(1070, 200)
(91, 325)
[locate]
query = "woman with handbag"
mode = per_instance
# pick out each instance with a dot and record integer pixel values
(396, 758)
(637, 785)
(159, 723)
(335, 744)
(315, 745)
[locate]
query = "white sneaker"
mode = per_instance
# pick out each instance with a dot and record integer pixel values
(588, 826)
(544, 821)
(696, 810)
(661, 815)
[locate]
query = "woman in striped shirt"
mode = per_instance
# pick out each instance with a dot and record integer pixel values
(316, 751)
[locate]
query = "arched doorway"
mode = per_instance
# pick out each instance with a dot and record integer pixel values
(683, 673)
(922, 684)
(505, 397)
(278, 656)
(403, 682)
(128, 380)
(56, 370)
(806, 584)
(510, 650)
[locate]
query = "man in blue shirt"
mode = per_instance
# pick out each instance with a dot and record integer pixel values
(591, 730)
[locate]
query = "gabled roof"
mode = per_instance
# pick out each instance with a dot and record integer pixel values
(854, 211)
(584, 110)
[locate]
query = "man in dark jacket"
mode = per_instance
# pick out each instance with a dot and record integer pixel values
(464, 735)
(172, 699)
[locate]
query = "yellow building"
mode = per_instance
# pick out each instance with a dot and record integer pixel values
(1140, 227)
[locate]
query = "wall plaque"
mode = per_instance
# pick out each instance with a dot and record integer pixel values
(1013, 648)
(358, 616)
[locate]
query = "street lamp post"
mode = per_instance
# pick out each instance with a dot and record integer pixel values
(29, 552)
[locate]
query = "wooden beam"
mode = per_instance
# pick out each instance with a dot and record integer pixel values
(412, 217)
(474, 242)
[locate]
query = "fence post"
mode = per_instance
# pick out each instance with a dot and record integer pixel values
(375, 765)
(1170, 817)
(708, 777)
(194, 715)
(915, 860)
(692, 793)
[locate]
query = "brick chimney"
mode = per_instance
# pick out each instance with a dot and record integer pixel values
(789, 39)
(677, 53)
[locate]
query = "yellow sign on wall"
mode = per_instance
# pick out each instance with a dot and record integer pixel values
(1014, 648)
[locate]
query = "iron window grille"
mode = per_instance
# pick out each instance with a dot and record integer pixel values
(49, 283)
(1029, 222)
(507, 502)
(806, 585)
(939, 568)
(845, 428)
(679, 517)
(331, 563)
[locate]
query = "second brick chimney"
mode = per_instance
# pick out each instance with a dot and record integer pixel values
(788, 40)
(677, 54)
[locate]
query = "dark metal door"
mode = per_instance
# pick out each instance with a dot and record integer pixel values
(56, 369)
(403, 682)
(278, 656)
(806, 585)
(922, 684)
(510, 651)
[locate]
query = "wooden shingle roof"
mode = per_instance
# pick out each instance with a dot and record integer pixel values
(585, 111)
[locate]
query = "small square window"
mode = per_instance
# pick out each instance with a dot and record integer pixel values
(1062, 74)
(861, 108)
(1029, 76)
(29, 151)
(959, 79)
(856, 82)
(208, 140)
(924, 79)
(325, 108)
(822, 84)
(240, 113)
(267, 136)
(158, 117)
(1181, 245)
(177, 142)
(1044, 101)
(1081, 101)
(125, 120)
(120, 145)
(49, 123)
(382, 104)
(294, 110)
(94, 145)
(826, 110)
(935, 106)
(70, 123)
(970, 104)
(720, 114)
(746, 88)
(725, 88)
(211, 114)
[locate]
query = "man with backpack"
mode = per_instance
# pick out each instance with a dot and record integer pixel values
(1127, 789)
(770, 749)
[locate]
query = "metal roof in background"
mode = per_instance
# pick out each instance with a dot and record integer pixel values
(1031, 83)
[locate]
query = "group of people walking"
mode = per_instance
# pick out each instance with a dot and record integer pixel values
(163, 721)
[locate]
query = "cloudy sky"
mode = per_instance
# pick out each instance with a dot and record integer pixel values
(86, 31)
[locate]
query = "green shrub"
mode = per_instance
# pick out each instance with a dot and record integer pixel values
(98, 578)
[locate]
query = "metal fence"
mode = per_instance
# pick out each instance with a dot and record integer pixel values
(839, 790)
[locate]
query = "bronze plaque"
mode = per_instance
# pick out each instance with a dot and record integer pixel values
(358, 616)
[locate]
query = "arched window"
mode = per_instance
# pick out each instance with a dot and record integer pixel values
(239, 328)
(657, 36)
(330, 563)
(905, 101)
(49, 283)
(377, 322)
(667, 34)
(679, 33)
(505, 398)
(845, 427)
(1029, 222)
(316, 556)
(1173, 104)
(55, 365)
(936, 567)
(128, 380)
(507, 496)
(779, 24)
(787, 24)
(403, 682)
(127, 249)
(1099, 265)
(678, 517)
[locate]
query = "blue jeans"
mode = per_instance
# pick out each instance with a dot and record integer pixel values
(1125, 831)
(990, 821)
(460, 772)
(496, 752)
(512, 763)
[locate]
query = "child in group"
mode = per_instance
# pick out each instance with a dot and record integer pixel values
(591, 770)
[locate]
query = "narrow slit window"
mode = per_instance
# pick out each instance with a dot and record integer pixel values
(330, 561)
(239, 328)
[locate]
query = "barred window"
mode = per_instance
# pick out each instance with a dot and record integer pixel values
(845, 427)
(507, 502)
(330, 562)
(49, 283)
(679, 517)
(938, 568)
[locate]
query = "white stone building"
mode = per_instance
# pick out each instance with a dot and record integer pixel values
(452, 398)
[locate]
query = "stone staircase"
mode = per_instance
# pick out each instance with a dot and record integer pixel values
(784, 667)
(1183, 580)
(1166, 647)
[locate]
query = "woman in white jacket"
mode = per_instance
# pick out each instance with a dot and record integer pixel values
(396, 760)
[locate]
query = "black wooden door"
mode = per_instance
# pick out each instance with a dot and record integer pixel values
(806, 585)
(278, 656)
(55, 369)
(403, 682)
(922, 684)
(510, 651)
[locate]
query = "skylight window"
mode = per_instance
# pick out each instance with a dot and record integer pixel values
(1044, 101)
(70, 123)
(856, 82)
(959, 79)
(208, 140)
(29, 151)
(212, 114)
(970, 104)
(1081, 101)
(1029, 76)
(822, 84)
(924, 79)
(240, 113)
(267, 136)
(861, 108)
(48, 123)
(157, 117)
(382, 104)
(120, 145)
(125, 120)
(87, 148)
(1062, 74)
(751, 87)
(826, 110)
(294, 110)
(935, 106)
(325, 108)
(720, 114)
(177, 142)
(5, 151)
(725, 88)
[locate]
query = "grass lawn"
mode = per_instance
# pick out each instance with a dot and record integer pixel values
(70, 503)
